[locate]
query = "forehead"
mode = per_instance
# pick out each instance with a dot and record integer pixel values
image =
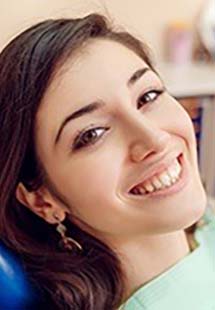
(102, 61)
(97, 72)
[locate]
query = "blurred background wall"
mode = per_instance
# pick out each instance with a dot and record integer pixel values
(147, 18)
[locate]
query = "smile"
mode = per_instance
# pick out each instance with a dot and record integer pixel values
(169, 181)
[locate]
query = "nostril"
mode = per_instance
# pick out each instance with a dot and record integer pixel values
(139, 152)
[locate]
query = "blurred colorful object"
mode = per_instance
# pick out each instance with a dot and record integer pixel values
(207, 27)
(179, 43)
(15, 291)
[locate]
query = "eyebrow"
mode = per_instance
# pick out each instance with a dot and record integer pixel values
(96, 105)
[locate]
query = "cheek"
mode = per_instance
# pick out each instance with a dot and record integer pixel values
(182, 127)
(93, 194)
(172, 117)
(90, 182)
(184, 122)
(185, 129)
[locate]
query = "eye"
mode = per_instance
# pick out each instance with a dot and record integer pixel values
(90, 136)
(149, 97)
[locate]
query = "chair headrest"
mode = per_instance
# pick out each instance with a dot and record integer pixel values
(15, 289)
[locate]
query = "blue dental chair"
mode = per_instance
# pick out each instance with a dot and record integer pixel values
(16, 293)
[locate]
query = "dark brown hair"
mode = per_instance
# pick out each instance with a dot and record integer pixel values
(92, 279)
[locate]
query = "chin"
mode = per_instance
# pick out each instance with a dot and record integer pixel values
(188, 210)
(197, 209)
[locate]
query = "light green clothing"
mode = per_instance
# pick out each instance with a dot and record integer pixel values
(188, 285)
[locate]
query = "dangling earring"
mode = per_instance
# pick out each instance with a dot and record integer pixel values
(67, 242)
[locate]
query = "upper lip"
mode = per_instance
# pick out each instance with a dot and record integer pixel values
(155, 168)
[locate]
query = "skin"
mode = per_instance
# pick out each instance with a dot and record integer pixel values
(93, 181)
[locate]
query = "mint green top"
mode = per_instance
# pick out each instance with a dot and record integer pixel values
(188, 285)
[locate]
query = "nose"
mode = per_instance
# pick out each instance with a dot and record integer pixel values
(147, 139)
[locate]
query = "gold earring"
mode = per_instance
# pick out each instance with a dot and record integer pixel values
(67, 242)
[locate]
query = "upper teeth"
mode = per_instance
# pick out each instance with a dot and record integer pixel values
(159, 181)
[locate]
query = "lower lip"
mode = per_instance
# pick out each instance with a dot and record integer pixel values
(175, 188)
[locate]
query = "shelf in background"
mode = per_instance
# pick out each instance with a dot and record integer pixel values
(193, 80)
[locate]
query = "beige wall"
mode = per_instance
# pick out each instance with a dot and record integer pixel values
(146, 18)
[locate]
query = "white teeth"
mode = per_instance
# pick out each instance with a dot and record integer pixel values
(142, 190)
(175, 166)
(173, 180)
(173, 174)
(165, 179)
(156, 182)
(149, 187)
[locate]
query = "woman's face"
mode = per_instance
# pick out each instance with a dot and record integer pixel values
(134, 131)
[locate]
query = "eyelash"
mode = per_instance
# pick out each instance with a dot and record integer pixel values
(78, 142)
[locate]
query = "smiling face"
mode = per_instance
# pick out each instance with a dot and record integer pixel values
(133, 131)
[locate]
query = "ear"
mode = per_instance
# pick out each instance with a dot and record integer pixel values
(41, 203)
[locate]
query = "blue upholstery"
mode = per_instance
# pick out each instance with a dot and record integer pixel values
(15, 290)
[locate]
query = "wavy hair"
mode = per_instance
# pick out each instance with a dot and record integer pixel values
(93, 279)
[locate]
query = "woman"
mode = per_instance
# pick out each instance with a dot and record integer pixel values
(99, 175)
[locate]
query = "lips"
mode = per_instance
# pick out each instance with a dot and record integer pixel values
(154, 171)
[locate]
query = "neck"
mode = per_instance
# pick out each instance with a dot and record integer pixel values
(148, 257)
